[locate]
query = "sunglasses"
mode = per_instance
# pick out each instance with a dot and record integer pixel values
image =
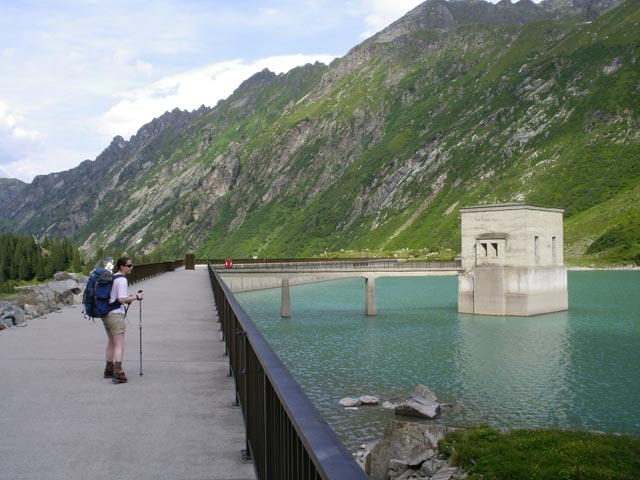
(130, 265)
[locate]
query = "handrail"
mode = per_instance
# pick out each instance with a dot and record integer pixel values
(147, 270)
(351, 265)
(286, 437)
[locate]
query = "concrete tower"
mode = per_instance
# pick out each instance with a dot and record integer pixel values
(512, 256)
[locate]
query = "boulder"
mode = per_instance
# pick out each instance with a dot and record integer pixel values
(59, 276)
(396, 468)
(432, 466)
(409, 474)
(423, 403)
(51, 296)
(350, 402)
(446, 473)
(403, 442)
(422, 457)
(11, 315)
(369, 400)
(37, 300)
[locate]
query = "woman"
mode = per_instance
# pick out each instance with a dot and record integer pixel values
(114, 320)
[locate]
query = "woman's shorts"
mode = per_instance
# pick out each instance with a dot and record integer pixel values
(114, 323)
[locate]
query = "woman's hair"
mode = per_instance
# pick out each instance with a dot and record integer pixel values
(121, 261)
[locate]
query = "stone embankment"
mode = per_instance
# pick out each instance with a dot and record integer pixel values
(35, 301)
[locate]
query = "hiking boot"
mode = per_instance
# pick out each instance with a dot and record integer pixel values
(119, 376)
(108, 371)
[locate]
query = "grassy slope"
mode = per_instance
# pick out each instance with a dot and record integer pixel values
(584, 157)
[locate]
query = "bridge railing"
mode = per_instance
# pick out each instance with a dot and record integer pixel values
(286, 437)
(359, 265)
(147, 270)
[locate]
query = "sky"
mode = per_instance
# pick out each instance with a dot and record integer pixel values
(76, 73)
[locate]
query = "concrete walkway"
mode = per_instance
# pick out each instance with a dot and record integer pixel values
(60, 420)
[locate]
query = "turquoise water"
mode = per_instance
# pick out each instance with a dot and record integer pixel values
(578, 369)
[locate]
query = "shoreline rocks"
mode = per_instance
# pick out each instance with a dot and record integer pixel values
(350, 402)
(423, 404)
(409, 450)
(38, 300)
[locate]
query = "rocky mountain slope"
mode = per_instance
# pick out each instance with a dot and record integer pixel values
(457, 103)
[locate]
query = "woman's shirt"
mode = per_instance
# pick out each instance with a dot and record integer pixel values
(119, 289)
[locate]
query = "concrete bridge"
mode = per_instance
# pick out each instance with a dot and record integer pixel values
(60, 420)
(245, 276)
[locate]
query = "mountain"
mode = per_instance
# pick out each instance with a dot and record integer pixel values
(457, 103)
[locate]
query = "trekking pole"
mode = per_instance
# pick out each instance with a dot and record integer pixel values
(140, 322)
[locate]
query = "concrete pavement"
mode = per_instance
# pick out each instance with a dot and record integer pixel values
(60, 420)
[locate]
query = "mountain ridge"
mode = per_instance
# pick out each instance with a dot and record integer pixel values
(535, 103)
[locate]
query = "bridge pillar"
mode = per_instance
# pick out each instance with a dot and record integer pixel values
(370, 296)
(285, 304)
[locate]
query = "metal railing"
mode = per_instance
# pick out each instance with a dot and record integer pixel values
(351, 265)
(286, 437)
(147, 270)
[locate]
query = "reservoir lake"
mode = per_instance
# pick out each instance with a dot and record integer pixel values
(578, 369)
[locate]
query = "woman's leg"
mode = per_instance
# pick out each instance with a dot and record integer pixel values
(110, 347)
(118, 353)
(118, 347)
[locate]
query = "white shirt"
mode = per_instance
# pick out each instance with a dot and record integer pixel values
(119, 289)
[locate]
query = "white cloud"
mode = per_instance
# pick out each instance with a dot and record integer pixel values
(380, 13)
(11, 125)
(38, 159)
(62, 62)
(188, 91)
(126, 61)
(7, 120)
(22, 134)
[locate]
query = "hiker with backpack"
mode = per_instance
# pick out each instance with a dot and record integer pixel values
(114, 320)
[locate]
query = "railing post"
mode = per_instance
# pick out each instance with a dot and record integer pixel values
(190, 261)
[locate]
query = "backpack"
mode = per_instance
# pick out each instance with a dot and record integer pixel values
(97, 293)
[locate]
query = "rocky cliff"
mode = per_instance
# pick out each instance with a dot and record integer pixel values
(457, 103)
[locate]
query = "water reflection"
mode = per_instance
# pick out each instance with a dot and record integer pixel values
(514, 369)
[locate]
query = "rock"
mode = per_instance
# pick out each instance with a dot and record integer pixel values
(431, 467)
(362, 457)
(396, 468)
(408, 474)
(403, 441)
(32, 311)
(51, 296)
(421, 457)
(11, 315)
(350, 402)
(423, 403)
(369, 400)
(613, 67)
(59, 276)
(38, 300)
(446, 473)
